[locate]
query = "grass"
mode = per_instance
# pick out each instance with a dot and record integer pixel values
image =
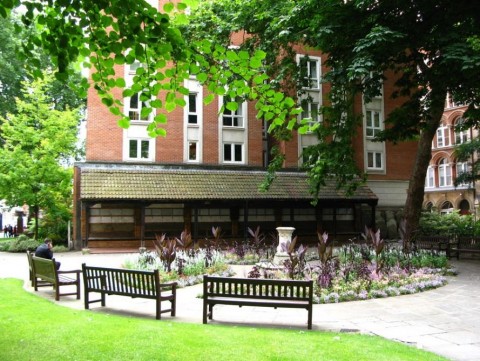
(34, 328)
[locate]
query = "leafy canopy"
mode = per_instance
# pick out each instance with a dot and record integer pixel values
(105, 34)
(39, 144)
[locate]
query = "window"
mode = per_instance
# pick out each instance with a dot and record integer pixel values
(233, 152)
(443, 136)
(132, 68)
(444, 173)
(135, 108)
(373, 123)
(233, 118)
(461, 135)
(192, 108)
(375, 160)
(451, 103)
(447, 207)
(430, 181)
(193, 151)
(310, 72)
(462, 167)
(429, 207)
(310, 110)
(139, 149)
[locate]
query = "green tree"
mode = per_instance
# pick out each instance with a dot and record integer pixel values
(13, 70)
(40, 143)
(431, 47)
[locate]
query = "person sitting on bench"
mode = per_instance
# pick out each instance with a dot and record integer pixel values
(45, 251)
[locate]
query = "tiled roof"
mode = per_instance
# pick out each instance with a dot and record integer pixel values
(176, 184)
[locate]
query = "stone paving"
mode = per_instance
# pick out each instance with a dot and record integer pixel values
(445, 321)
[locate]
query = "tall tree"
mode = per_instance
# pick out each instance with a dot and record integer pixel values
(428, 43)
(39, 146)
(431, 46)
(13, 70)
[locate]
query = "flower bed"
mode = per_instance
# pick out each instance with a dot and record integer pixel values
(188, 267)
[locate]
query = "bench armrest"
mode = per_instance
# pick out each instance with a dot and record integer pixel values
(77, 271)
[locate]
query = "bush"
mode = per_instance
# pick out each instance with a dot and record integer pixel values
(432, 223)
(23, 244)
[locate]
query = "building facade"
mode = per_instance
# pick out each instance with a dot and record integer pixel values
(206, 172)
(441, 193)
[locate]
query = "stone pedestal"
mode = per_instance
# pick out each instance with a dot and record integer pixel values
(284, 236)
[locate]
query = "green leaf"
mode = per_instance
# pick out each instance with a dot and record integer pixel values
(120, 83)
(161, 132)
(107, 101)
(232, 56)
(124, 122)
(208, 99)
(233, 106)
(157, 103)
(160, 118)
(168, 7)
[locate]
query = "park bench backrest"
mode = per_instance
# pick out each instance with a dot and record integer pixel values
(122, 281)
(44, 268)
(259, 288)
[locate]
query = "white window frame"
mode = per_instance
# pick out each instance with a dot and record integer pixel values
(233, 148)
(461, 136)
(237, 117)
(140, 142)
(190, 145)
(444, 173)
(195, 112)
(309, 65)
(443, 136)
(375, 157)
(430, 181)
(193, 131)
(311, 111)
(371, 127)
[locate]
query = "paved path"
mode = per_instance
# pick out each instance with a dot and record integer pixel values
(445, 321)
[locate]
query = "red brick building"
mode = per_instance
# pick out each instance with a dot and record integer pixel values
(441, 194)
(206, 172)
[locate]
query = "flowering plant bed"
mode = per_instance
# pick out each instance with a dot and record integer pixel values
(188, 267)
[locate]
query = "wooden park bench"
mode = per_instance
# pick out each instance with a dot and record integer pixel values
(45, 273)
(432, 243)
(132, 283)
(465, 244)
(256, 292)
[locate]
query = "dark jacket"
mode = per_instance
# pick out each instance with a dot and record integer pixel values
(44, 252)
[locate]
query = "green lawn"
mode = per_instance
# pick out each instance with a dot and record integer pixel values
(33, 328)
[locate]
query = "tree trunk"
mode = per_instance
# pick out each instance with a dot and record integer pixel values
(416, 188)
(35, 231)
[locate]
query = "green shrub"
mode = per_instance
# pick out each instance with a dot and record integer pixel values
(4, 246)
(432, 223)
(23, 244)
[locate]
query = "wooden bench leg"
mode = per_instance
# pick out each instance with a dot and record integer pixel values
(174, 306)
(158, 308)
(310, 318)
(204, 311)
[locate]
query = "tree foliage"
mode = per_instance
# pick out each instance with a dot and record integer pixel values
(430, 48)
(13, 70)
(39, 145)
(105, 34)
